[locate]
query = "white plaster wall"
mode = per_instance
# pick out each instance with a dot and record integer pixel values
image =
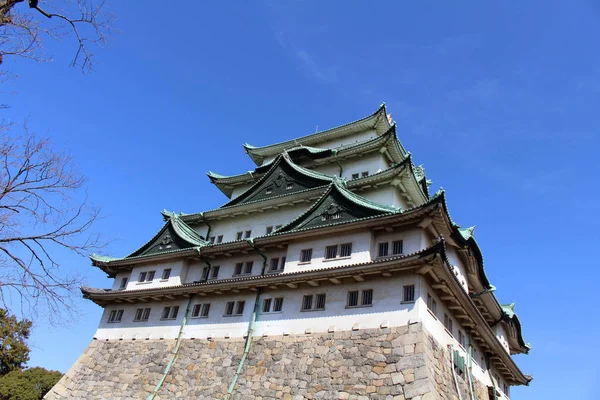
(372, 162)
(388, 195)
(239, 189)
(458, 266)
(347, 140)
(178, 270)
(361, 243)
(257, 222)
(411, 240)
(387, 309)
(502, 336)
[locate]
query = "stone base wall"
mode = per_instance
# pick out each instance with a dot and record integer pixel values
(403, 363)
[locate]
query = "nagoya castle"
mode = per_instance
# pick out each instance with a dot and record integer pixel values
(330, 272)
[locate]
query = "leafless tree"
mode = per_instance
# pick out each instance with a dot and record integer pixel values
(42, 214)
(24, 25)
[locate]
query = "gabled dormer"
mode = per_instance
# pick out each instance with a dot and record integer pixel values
(284, 177)
(337, 205)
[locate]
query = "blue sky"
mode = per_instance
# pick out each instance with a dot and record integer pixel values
(497, 101)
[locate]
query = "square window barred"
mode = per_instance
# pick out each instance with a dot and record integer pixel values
(431, 304)
(359, 298)
(448, 324)
(355, 176)
(274, 265)
(364, 174)
(142, 314)
(123, 283)
(272, 305)
(220, 239)
(408, 294)
(247, 234)
(211, 239)
(269, 230)
(239, 235)
(306, 255)
(201, 310)
(234, 308)
(313, 302)
(331, 252)
(205, 273)
(346, 250)
(115, 316)
(248, 267)
(382, 250)
(238, 268)
(170, 312)
(214, 272)
(166, 273)
(397, 247)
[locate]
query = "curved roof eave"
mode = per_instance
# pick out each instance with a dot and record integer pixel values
(377, 120)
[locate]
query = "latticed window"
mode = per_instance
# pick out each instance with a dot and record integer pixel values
(239, 310)
(166, 273)
(331, 252)
(115, 316)
(123, 283)
(320, 301)
(408, 293)
(352, 298)
(274, 266)
(170, 312)
(205, 273)
(278, 304)
(248, 267)
(397, 247)
(367, 297)
(266, 305)
(307, 301)
(328, 217)
(142, 314)
(306, 255)
(382, 250)
(215, 272)
(238, 268)
(201, 310)
(346, 250)
(229, 307)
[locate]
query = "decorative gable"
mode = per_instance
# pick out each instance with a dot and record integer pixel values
(284, 177)
(337, 205)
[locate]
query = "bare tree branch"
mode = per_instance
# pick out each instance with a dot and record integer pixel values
(22, 32)
(40, 216)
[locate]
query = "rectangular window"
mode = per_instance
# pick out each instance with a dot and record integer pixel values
(462, 339)
(196, 310)
(506, 389)
(211, 239)
(352, 299)
(215, 272)
(123, 283)
(274, 266)
(115, 316)
(364, 174)
(319, 301)
(239, 235)
(248, 267)
(142, 277)
(166, 273)
(205, 310)
(448, 323)
(170, 312)
(306, 255)
(278, 304)
(229, 307)
(205, 273)
(269, 230)
(382, 250)
(239, 310)
(150, 276)
(220, 239)
(431, 304)
(346, 250)
(329, 217)
(397, 247)
(307, 301)
(266, 306)
(142, 314)
(355, 176)
(247, 234)
(331, 252)
(367, 297)
(165, 314)
(408, 294)
(238, 268)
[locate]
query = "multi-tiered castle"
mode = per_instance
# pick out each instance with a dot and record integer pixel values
(331, 272)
